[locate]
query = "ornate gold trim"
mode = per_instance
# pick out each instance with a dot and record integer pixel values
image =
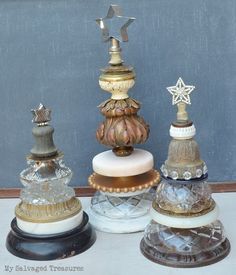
(115, 108)
(124, 184)
(48, 213)
(182, 215)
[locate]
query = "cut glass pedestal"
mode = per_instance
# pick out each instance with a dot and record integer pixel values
(120, 214)
(185, 247)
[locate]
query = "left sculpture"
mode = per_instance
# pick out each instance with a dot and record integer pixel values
(50, 223)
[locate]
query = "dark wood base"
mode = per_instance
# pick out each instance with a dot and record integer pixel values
(186, 261)
(53, 246)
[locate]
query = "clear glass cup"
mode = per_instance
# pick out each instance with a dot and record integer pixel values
(46, 182)
(190, 241)
(122, 207)
(182, 197)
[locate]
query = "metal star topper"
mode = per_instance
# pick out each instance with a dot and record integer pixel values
(118, 24)
(180, 92)
(41, 114)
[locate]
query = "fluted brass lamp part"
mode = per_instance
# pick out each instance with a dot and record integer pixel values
(122, 127)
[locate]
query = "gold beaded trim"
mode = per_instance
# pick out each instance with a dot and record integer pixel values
(48, 213)
(124, 184)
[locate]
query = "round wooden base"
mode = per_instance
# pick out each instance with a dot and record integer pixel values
(53, 246)
(184, 261)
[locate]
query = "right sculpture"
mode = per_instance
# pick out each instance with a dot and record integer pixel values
(184, 231)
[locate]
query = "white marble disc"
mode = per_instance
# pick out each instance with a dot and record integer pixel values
(185, 222)
(111, 225)
(50, 227)
(110, 165)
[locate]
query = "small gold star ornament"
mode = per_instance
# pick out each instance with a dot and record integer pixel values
(41, 115)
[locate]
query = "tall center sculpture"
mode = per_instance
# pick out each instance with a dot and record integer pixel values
(184, 231)
(124, 175)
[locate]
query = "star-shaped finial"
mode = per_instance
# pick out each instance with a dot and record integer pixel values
(180, 92)
(118, 24)
(41, 115)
